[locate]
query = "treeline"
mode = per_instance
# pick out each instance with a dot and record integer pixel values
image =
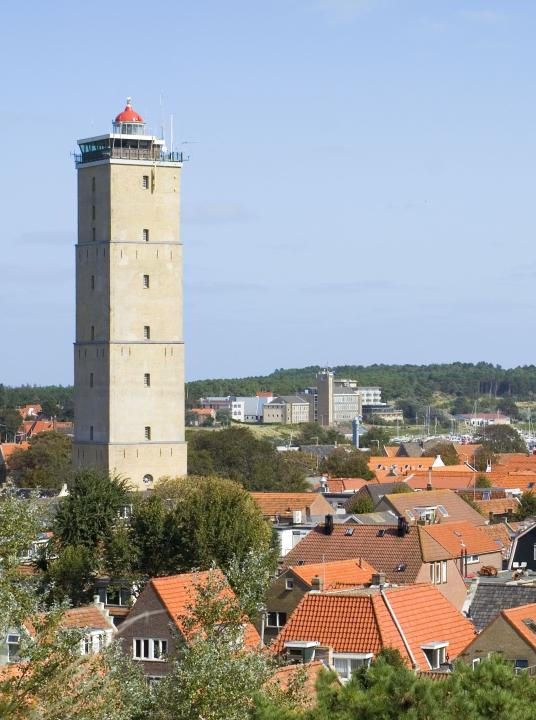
(397, 381)
(420, 382)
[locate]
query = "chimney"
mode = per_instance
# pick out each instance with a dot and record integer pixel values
(317, 584)
(328, 526)
(378, 579)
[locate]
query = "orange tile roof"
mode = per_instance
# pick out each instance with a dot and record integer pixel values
(466, 452)
(177, 594)
(203, 411)
(391, 450)
(285, 675)
(88, 616)
(448, 480)
(498, 506)
(361, 622)
(402, 465)
(455, 506)
(512, 479)
(516, 617)
(498, 532)
(340, 485)
(280, 503)
(7, 449)
(458, 536)
(336, 574)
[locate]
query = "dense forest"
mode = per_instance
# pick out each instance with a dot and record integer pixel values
(398, 382)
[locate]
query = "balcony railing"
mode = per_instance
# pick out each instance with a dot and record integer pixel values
(150, 154)
(530, 670)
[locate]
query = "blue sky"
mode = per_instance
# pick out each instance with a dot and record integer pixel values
(360, 187)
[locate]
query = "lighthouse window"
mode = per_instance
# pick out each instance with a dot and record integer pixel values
(93, 212)
(91, 432)
(147, 432)
(145, 235)
(93, 184)
(147, 379)
(145, 281)
(145, 182)
(93, 282)
(147, 332)
(91, 379)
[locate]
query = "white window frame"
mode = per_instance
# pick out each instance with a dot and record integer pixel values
(156, 649)
(444, 571)
(472, 559)
(358, 660)
(145, 182)
(278, 624)
(289, 584)
(475, 662)
(13, 641)
(439, 654)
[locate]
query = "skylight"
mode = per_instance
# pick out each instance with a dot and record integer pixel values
(442, 510)
(529, 622)
(381, 532)
(349, 531)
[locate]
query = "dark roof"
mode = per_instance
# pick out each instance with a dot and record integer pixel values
(491, 598)
(376, 491)
(410, 449)
(386, 551)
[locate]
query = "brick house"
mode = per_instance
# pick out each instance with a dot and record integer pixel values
(154, 629)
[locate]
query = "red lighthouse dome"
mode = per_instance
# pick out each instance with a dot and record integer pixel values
(128, 115)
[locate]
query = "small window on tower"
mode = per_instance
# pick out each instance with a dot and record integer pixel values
(147, 432)
(145, 182)
(93, 332)
(93, 212)
(91, 379)
(93, 184)
(145, 281)
(147, 379)
(91, 432)
(93, 282)
(145, 235)
(146, 332)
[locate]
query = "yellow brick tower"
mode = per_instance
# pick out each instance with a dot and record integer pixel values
(129, 349)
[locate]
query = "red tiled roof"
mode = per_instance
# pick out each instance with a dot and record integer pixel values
(7, 449)
(341, 485)
(336, 574)
(516, 618)
(280, 503)
(498, 506)
(447, 480)
(498, 532)
(455, 506)
(466, 453)
(381, 546)
(402, 465)
(361, 622)
(88, 616)
(177, 594)
(286, 674)
(458, 536)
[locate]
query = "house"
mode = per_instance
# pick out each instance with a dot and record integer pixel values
(30, 410)
(375, 492)
(491, 597)
(293, 515)
(248, 409)
(498, 509)
(286, 410)
(483, 419)
(287, 590)
(500, 535)
(93, 621)
(201, 415)
(348, 629)
(524, 549)
(472, 548)
(431, 506)
(405, 554)
(117, 596)
(155, 626)
(512, 634)
(401, 466)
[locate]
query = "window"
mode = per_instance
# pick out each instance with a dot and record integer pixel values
(91, 432)
(147, 432)
(476, 661)
(521, 663)
(473, 559)
(91, 379)
(534, 551)
(276, 619)
(13, 648)
(93, 184)
(145, 235)
(93, 332)
(149, 649)
(93, 282)
(289, 584)
(145, 182)
(345, 665)
(147, 379)
(93, 212)
(147, 479)
(86, 645)
(145, 281)
(147, 332)
(443, 571)
(438, 572)
(436, 654)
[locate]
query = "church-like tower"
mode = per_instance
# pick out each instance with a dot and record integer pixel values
(129, 349)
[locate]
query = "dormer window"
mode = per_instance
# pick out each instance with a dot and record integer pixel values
(436, 654)
(345, 665)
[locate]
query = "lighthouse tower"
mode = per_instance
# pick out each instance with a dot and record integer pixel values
(129, 349)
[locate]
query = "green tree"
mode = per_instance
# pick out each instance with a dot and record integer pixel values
(314, 434)
(482, 458)
(483, 481)
(508, 407)
(237, 454)
(400, 487)
(148, 528)
(360, 504)
(10, 424)
(70, 576)
(345, 462)
(461, 406)
(88, 514)
(501, 439)
(46, 463)
(212, 521)
(375, 439)
(527, 506)
(446, 450)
